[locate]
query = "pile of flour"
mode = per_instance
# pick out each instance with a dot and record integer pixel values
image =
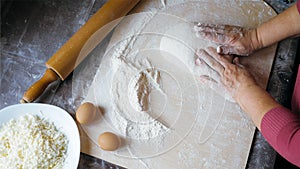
(132, 94)
(133, 81)
(141, 86)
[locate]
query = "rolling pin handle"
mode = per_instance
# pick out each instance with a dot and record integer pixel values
(38, 87)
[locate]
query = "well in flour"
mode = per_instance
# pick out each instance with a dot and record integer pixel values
(133, 85)
(141, 86)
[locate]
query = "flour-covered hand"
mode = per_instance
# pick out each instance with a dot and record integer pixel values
(231, 39)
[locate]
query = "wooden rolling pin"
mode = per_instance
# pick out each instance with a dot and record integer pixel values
(65, 60)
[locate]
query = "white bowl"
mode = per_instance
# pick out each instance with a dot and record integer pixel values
(61, 119)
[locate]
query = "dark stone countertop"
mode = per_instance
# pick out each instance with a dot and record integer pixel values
(32, 30)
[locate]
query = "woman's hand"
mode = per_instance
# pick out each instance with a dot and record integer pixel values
(231, 39)
(232, 74)
(240, 84)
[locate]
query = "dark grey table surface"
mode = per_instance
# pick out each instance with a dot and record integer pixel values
(32, 30)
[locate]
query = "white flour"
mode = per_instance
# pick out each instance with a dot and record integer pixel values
(141, 86)
(134, 80)
(131, 90)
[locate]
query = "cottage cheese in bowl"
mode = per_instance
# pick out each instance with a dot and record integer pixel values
(38, 136)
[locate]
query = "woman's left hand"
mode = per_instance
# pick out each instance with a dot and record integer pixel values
(233, 75)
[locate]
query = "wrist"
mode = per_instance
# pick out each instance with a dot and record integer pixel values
(256, 41)
(257, 97)
(245, 92)
(256, 102)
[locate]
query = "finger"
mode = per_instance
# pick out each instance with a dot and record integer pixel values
(229, 58)
(218, 33)
(210, 28)
(233, 50)
(199, 62)
(211, 32)
(214, 75)
(205, 35)
(206, 71)
(206, 79)
(210, 61)
(210, 82)
(214, 37)
(224, 61)
(227, 50)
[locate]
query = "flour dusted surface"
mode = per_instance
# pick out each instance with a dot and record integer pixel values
(197, 116)
(31, 142)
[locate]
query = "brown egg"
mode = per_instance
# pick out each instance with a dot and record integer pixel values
(86, 113)
(109, 141)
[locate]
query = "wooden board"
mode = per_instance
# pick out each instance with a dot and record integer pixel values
(207, 131)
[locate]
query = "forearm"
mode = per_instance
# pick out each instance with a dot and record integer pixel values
(256, 102)
(284, 25)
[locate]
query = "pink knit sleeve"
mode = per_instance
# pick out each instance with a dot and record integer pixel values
(281, 128)
(298, 6)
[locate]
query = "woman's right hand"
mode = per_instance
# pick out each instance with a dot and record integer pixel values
(231, 39)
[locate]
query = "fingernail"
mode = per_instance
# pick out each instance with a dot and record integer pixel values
(198, 61)
(219, 49)
(197, 23)
(202, 80)
(195, 27)
(206, 78)
(198, 28)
